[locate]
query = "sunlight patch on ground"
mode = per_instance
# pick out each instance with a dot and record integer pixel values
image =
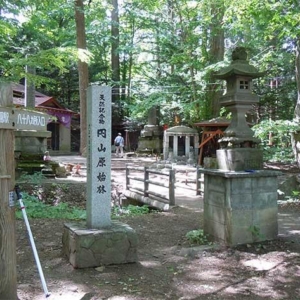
(261, 264)
(150, 263)
(255, 286)
(65, 295)
(294, 232)
(120, 298)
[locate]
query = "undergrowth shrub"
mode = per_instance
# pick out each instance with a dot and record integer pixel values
(197, 237)
(37, 209)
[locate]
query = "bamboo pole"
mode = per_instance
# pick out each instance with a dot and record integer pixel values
(8, 272)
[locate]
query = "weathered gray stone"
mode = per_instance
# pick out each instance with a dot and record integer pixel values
(92, 248)
(99, 157)
(100, 241)
(235, 202)
(240, 199)
(286, 185)
(240, 159)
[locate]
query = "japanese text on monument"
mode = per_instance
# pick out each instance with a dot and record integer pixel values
(101, 134)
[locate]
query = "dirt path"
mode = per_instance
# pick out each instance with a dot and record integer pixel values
(167, 267)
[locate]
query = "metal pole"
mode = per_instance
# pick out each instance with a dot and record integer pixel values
(37, 260)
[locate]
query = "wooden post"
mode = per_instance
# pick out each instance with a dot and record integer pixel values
(172, 187)
(8, 277)
(197, 181)
(127, 177)
(146, 182)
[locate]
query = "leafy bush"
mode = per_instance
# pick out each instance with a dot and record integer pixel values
(197, 237)
(130, 210)
(36, 178)
(37, 209)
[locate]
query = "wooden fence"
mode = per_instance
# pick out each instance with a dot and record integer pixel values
(157, 187)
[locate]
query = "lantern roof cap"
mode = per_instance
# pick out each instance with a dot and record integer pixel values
(239, 66)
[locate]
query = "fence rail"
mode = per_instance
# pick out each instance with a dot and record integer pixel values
(167, 197)
(153, 186)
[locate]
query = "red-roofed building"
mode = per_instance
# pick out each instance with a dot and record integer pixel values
(60, 126)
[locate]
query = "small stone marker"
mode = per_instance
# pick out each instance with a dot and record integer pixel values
(99, 157)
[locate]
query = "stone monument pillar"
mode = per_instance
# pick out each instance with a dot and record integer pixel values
(151, 136)
(100, 241)
(240, 199)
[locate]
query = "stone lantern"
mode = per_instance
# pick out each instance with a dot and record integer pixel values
(240, 198)
(239, 146)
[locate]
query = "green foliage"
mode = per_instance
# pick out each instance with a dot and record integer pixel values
(225, 113)
(294, 197)
(35, 179)
(197, 237)
(130, 210)
(167, 51)
(275, 138)
(278, 154)
(37, 209)
(255, 231)
(295, 194)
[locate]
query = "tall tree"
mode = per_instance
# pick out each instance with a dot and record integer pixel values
(82, 71)
(115, 52)
(296, 135)
(216, 50)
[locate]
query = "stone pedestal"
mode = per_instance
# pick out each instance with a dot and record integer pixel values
(240, 207)
(31, 141)
(150, 139)
(240, 159)
(86, 248)
(149, 145)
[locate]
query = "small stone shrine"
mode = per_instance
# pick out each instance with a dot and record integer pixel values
(240, 198)
(184, 136)
(100, 241)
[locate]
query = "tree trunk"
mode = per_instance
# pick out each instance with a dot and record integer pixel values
(82, 72)
(130, 61)
(216, 51)
(8, 271)
(115, 57)
(296, 135)
(29, 88)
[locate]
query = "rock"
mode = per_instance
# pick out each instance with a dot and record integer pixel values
(286, 185)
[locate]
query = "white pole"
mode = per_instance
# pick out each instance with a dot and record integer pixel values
(37, 260)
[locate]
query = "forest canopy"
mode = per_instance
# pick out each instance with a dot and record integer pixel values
(155, 53)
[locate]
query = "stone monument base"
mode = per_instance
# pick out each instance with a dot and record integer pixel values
(86, 248)
(240, 159)
(240, 207)
(31, 142)
(149, 145)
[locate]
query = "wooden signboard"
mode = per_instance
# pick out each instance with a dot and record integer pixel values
(11, 119)
(14, 118)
